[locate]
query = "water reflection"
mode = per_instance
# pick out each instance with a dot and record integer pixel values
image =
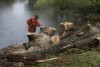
(6, 2)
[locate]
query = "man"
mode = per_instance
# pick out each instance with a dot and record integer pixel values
(32, 24)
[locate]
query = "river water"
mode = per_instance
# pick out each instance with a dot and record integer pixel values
(13, 17)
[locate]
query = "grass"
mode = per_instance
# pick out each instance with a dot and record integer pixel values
(80, 58)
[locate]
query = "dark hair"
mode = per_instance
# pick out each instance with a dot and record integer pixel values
(36, 16)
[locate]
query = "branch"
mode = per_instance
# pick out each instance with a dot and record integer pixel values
(42, 61)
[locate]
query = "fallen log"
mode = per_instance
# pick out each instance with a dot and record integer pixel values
(90, 42)
(25, 60)
(32, 56)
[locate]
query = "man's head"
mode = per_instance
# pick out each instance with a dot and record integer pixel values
(36, 16)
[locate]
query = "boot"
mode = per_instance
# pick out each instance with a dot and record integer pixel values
(27, 45)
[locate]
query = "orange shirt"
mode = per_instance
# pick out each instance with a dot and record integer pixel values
(32, 24)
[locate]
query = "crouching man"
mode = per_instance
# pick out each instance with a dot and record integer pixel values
(32, 24)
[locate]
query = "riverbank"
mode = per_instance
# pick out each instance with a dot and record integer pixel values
(78, 46)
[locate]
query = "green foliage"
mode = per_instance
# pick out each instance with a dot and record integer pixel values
(44, 3)
(70, 4)
(44, 65)
(84, 7)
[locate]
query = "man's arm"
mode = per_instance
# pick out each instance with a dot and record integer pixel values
(38, 24)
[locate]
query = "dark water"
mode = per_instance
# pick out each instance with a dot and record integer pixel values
(13, 17)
